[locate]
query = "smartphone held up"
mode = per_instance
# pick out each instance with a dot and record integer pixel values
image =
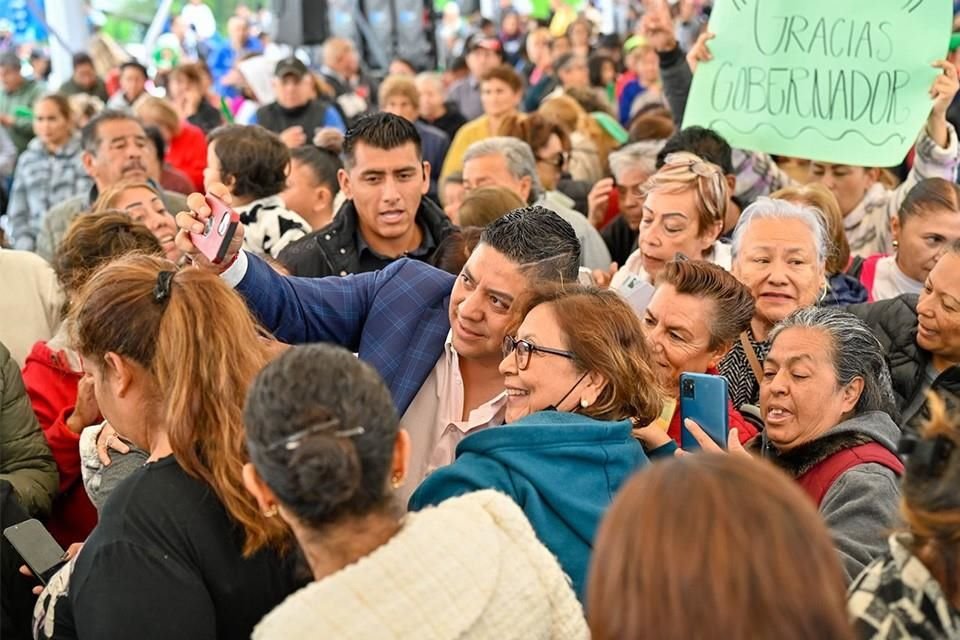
(220, 228)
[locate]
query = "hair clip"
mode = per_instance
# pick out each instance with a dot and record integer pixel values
(164, 284)
(294, 440)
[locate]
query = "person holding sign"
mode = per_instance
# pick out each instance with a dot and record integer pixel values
(866, 203)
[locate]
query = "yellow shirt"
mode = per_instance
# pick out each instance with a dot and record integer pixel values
(473, 131)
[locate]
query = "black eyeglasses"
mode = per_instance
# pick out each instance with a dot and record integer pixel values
(557, 161)
(523, 349)
(294, 440)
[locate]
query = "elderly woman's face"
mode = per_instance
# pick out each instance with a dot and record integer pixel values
(938, 312)
(778, 263)
(677, 328)
(671, 225)
(546, 377)
(800, 398)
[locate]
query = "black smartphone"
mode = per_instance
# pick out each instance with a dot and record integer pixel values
(37, 548)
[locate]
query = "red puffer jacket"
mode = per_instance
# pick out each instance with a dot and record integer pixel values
(52, 386)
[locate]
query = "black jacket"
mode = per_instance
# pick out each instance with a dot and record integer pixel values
(894, 322)
(332, 250)
(311, 116)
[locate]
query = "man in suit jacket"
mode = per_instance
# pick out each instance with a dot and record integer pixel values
(435, 339)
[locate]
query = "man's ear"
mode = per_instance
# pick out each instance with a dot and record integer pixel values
(526, 185)
(426, 178)
(344, 179)
(89, 164)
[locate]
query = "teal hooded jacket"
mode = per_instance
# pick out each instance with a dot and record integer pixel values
(563, 469)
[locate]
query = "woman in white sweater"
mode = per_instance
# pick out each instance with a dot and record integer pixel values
(325, 459)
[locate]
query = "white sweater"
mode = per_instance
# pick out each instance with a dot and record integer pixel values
(470, 568)
(30, 301)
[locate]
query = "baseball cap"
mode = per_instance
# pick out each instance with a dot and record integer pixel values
(291, 66)
(481, 42)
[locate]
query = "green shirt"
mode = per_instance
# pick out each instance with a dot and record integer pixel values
(23, 98)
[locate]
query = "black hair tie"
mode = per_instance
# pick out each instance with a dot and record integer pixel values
(161, 292)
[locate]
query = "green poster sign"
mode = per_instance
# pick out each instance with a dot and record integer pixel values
(843, 81)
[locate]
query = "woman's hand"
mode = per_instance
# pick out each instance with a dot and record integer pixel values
(942, 92)
(109, 439)
(85, 411)
(651, 437)
(707, 444)
(700, 52)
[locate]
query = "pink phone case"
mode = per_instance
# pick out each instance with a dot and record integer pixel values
(221, 225)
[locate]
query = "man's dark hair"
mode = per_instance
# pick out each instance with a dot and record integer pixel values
(133, 64)
(159, 144)
(255, 158)
(82, 58)
(322, 163)
(324, 450)
(700, 141)
(382, 131)
(541, 242)
(90, 134)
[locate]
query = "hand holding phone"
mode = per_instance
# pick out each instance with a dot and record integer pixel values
(37, 548)
(703, 399)
(219, 229)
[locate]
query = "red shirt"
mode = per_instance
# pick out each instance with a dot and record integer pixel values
(187, 151)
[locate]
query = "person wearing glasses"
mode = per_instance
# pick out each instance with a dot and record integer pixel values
(683, 213)
(578, 379)
(180, 550)
(551, 149)
(329, 459)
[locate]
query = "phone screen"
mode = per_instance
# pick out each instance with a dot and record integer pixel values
(37, 548)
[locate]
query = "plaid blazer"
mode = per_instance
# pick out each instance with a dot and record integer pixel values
(394, 319)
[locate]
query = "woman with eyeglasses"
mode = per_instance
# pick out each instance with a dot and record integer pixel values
(578, 379)
(551, 149)
(328, 458)
(683, 213)
(181, 550)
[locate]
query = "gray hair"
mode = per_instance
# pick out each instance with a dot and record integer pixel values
(772, 209)
(639, 155)
(518, 155)
(856, 353)
(432, 77)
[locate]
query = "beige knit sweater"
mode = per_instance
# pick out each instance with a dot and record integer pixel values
(471, 568)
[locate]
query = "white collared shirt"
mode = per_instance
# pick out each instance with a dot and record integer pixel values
(434, 419)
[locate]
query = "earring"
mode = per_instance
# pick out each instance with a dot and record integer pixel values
(896, 245)
(584, 403)
(396, 480)
(272, 511)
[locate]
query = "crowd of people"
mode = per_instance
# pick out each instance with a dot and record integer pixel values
(432, 385)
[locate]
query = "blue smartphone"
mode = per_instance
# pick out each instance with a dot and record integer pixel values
(703, 399)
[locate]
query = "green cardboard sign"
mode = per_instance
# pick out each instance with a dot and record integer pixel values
(842, 81)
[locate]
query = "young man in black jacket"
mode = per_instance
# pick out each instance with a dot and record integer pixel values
(386, 217)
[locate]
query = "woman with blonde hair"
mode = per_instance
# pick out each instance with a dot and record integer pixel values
(589, 148)
(144, 203)
(683, 213)
(842, 289)
(181, 548)
(578, 378)
(482, 206)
